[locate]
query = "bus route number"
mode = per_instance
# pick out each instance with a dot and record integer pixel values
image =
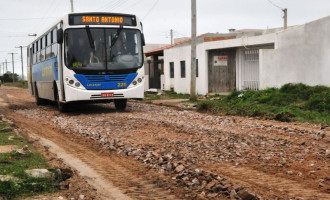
(121, 84)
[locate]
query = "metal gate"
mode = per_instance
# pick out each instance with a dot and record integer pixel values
(250, 69)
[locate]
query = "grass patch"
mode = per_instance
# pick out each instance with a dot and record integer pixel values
(6, 132)
(23, 84)
(26, 187)
(15, 164)
(166, 95)
(291, 102)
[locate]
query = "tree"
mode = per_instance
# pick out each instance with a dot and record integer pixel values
(8, 77)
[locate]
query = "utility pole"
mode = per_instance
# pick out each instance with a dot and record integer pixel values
(285, 17)
(193, 51)
(71, 5)
(21, 61)
(12, 58)
(3, 68)
(6, 66)
(171, 33)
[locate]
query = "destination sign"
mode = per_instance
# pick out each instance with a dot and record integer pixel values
(101, 19)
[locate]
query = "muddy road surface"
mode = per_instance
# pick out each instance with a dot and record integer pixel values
(158, 152)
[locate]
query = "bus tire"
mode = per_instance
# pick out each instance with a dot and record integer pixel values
(120, 104)
(62, 107)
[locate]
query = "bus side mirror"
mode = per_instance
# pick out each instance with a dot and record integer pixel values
(143, 41)
(60, 36)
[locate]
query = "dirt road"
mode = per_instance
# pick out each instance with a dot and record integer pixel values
(157, 152)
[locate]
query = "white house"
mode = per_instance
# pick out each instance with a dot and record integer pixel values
(254, 59)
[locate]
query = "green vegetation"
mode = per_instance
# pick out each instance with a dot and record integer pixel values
(15, 164)
(21, 84)
(165, 95)
(292, 102)
(8, 77)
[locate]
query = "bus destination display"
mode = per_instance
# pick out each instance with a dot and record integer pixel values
(90, 19)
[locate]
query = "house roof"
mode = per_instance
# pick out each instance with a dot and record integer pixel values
(160, 51)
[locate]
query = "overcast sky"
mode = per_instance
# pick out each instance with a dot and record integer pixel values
(18, 18)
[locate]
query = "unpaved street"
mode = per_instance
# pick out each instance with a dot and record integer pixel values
(158, 152)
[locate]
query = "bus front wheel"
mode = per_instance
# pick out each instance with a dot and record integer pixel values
(62, 107)
(120, 104)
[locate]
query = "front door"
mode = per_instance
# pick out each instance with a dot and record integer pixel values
(155, 72)
(222, 70)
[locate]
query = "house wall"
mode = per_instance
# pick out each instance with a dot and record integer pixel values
(146, 48)
(182, 85)
(301, 54)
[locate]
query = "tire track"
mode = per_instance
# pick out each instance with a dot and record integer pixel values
(116, 180)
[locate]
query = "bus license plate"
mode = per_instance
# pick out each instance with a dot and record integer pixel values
(107, 94)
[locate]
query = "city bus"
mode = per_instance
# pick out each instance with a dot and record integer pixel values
(88, 57)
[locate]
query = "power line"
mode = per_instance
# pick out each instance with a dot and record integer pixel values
(41, 22)
(111, 3)
(117, 5)
(180, 33)
(24, 19)
(153, 6)
(275, 5)
(132, 5)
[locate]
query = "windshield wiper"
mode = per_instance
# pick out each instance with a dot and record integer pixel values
(90, 37)
(115, 38)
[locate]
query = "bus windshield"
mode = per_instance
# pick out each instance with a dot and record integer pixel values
(104, 50)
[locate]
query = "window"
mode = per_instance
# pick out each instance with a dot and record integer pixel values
(49, 39)
(53, 41)
(37, 45)
(41, 41)
(183, 69)
(196, 67)
(42, 49)
(106, 55)
(48, 52)
(53, 50)
(171, 69)
(54, 36)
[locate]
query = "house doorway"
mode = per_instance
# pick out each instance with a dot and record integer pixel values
(250, 69)
(222, 70)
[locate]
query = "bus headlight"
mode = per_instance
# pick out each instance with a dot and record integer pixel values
(77, 84)
(134, 82)
(139, 80)
(71, 82)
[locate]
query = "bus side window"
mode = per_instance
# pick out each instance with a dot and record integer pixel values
(48, 46)
(42, 49)
(38, 52)
(33, 54)
(54, 43)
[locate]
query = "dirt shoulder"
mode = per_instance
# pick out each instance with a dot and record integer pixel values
(184, 153)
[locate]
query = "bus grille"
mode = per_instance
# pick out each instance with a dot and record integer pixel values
(106, 78)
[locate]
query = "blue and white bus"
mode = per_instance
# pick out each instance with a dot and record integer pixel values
(95, 57)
